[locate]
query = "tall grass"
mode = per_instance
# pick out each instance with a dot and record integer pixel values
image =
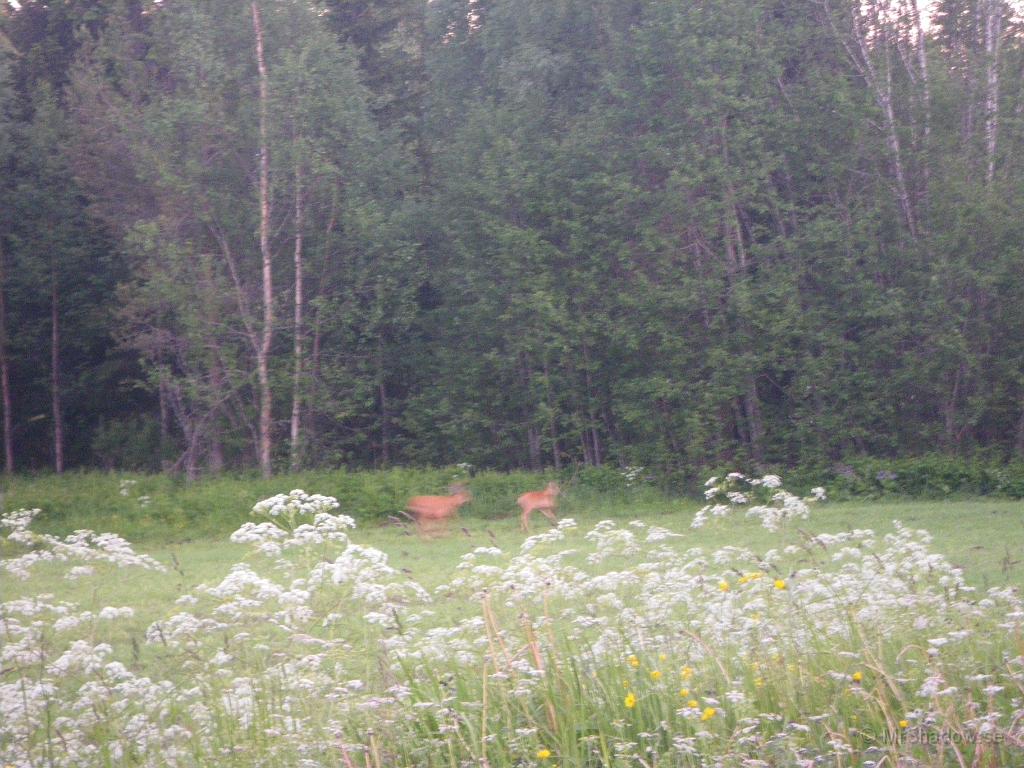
(156, 508)
(616, 645)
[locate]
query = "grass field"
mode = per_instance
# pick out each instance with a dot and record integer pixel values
(612, 611)
(984, 537)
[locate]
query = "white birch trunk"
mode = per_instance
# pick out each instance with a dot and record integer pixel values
(263, 351)
(296, 422)
(860, 54)
(55, 398)
(993, 36)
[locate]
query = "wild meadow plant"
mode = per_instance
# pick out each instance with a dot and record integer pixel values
(617, 646)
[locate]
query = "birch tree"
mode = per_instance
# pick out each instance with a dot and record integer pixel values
(879, 38)
(6, 149)
(267, 336)
(993, 12)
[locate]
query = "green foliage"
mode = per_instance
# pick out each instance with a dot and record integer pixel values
(602, 480)
(541, 234)
(129, 444)
(934, 476)
(148, 506)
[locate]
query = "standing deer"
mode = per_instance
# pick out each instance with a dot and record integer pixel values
(545, 501)
(429, 511)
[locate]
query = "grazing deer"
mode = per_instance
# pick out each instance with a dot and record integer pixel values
(545, 501)
(431, 511)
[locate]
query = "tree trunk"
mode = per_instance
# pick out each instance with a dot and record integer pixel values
(883, 96)
(528, 413)
(556, 448)
(742, 426)
(315, 354)
(263, 351)
(993, 35)
(533, 446)
(859, 51)
(58, 418)
(215, 454)
(385, 431)
(755, 427)
(556, 451)
(192, 457)
(590, 434)
(922, 65)
(165, 424)
(385, 414)
(949, 411)
(588, 451)
(296, 424)
(191, 428)
(1020, 431)
(5, 377)
(665, 414)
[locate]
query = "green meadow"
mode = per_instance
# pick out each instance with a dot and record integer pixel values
(190, 524)
(629, 638)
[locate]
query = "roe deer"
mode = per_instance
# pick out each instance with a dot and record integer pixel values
(545, 501)
(430, 510)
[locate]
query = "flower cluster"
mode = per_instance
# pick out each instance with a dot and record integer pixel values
(632, 475)
(83, 546)
(777, 505)
(294, 505)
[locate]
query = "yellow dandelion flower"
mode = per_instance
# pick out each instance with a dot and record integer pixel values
(904, 724)
(684, 692)
(543, 754)
(655, 675)
(692, 704)
(686, 673)
(780, 583)
(633, 661)
(759, 682)
(857, 676)
(629, 701)
(662, 657)
(707, 714)
(724, 586)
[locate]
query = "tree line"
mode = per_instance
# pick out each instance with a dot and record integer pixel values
(515, 233)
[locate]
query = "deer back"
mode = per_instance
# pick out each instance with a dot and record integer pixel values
(546, 499)
(437, 507)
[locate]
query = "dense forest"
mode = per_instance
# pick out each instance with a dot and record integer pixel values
(518, 233)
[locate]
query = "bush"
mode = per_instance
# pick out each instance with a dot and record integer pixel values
(129, 444)
(931, 477)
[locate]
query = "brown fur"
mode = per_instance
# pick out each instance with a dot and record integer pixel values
(432, 512)
(545, 502)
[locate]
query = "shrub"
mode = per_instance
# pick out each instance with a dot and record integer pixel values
(932, 476)
(129, 444)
